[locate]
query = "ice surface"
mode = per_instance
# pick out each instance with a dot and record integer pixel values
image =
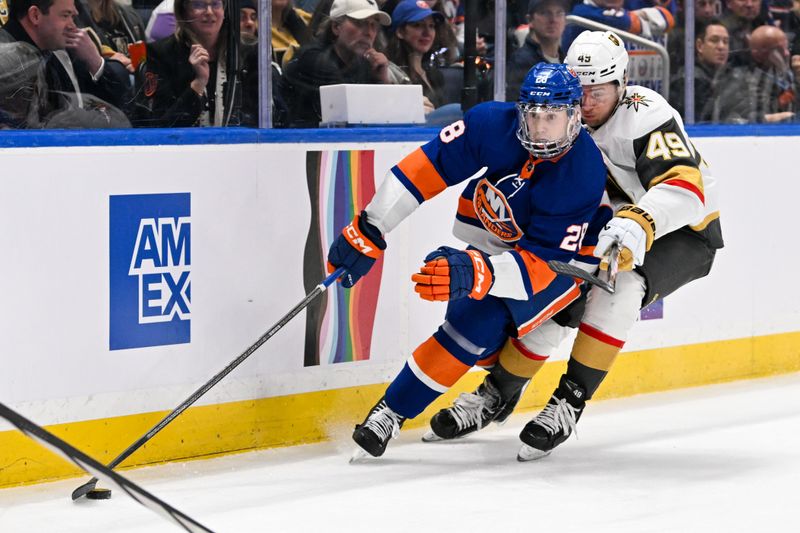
(718, 458)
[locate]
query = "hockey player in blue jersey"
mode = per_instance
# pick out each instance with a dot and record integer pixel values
(537, 180)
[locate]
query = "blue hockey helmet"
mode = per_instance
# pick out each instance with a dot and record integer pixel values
(549, 109)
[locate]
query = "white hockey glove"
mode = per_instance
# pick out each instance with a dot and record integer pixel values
(656, 21)
(634, 230)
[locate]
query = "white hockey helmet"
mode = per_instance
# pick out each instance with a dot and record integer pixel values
(599, 57)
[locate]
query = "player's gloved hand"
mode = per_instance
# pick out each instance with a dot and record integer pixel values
(656, 21)
(633, 229)
(356, 249)
(450, 274)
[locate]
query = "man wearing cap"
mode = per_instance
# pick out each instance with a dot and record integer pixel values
(343, 53)
(546, 22)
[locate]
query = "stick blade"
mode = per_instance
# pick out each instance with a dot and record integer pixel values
(84, 489)
(566, 269)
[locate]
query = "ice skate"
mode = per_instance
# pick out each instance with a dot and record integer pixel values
(374, 433)
(508, 407)
(554, 424)
(469, 413)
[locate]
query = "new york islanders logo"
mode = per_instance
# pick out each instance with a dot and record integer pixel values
(494, 212)
(635, 100)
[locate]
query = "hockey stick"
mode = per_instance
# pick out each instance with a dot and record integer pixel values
(319, 289)
(613, 265)
(559, 267)
(109, 477)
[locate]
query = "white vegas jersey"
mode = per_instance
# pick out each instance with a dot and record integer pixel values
(653, 164)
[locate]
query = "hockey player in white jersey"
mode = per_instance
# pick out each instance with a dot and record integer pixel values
(666, 226)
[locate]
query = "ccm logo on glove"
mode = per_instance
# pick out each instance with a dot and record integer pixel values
(359, 243)
(356, 249)
(482, 284)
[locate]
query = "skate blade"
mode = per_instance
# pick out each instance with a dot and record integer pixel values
(528, 453)
(430, 436)
(358, 455)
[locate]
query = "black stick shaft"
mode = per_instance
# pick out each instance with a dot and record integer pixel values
(319, 289)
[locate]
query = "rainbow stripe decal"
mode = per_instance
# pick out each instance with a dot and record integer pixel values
(339, 324)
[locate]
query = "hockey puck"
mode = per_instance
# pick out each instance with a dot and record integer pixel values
(98, 494)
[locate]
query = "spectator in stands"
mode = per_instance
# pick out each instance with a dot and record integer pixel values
(73, 70)
(446, 50)
(248, 21)
(162, 21)
(704, 10)
(546, 21)
(115, 25)
(289, 30)
(186, 80)
(718, 87)
(784, 15)
(649, 22)
(343, 53)
(771, 82)
(411, 45)
(741, 18)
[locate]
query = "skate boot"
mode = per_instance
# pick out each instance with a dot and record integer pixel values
(380, 425)
(469, 413)
(555, 423)
(508, 407)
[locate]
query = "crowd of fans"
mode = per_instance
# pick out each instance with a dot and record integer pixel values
(179, 63)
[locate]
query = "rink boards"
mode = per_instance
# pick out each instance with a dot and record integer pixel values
(134, 273)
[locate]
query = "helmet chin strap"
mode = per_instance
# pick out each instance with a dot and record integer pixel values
(621, 97)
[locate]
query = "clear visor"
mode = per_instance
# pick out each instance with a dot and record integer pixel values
(600, 94)
(545, 130)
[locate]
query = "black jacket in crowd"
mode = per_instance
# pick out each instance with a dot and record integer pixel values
(720, 95)
(315, 65)
(164, 97)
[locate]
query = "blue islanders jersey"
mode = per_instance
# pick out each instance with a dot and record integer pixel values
(521, 210)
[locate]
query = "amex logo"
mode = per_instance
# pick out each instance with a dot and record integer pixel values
(150, 270)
